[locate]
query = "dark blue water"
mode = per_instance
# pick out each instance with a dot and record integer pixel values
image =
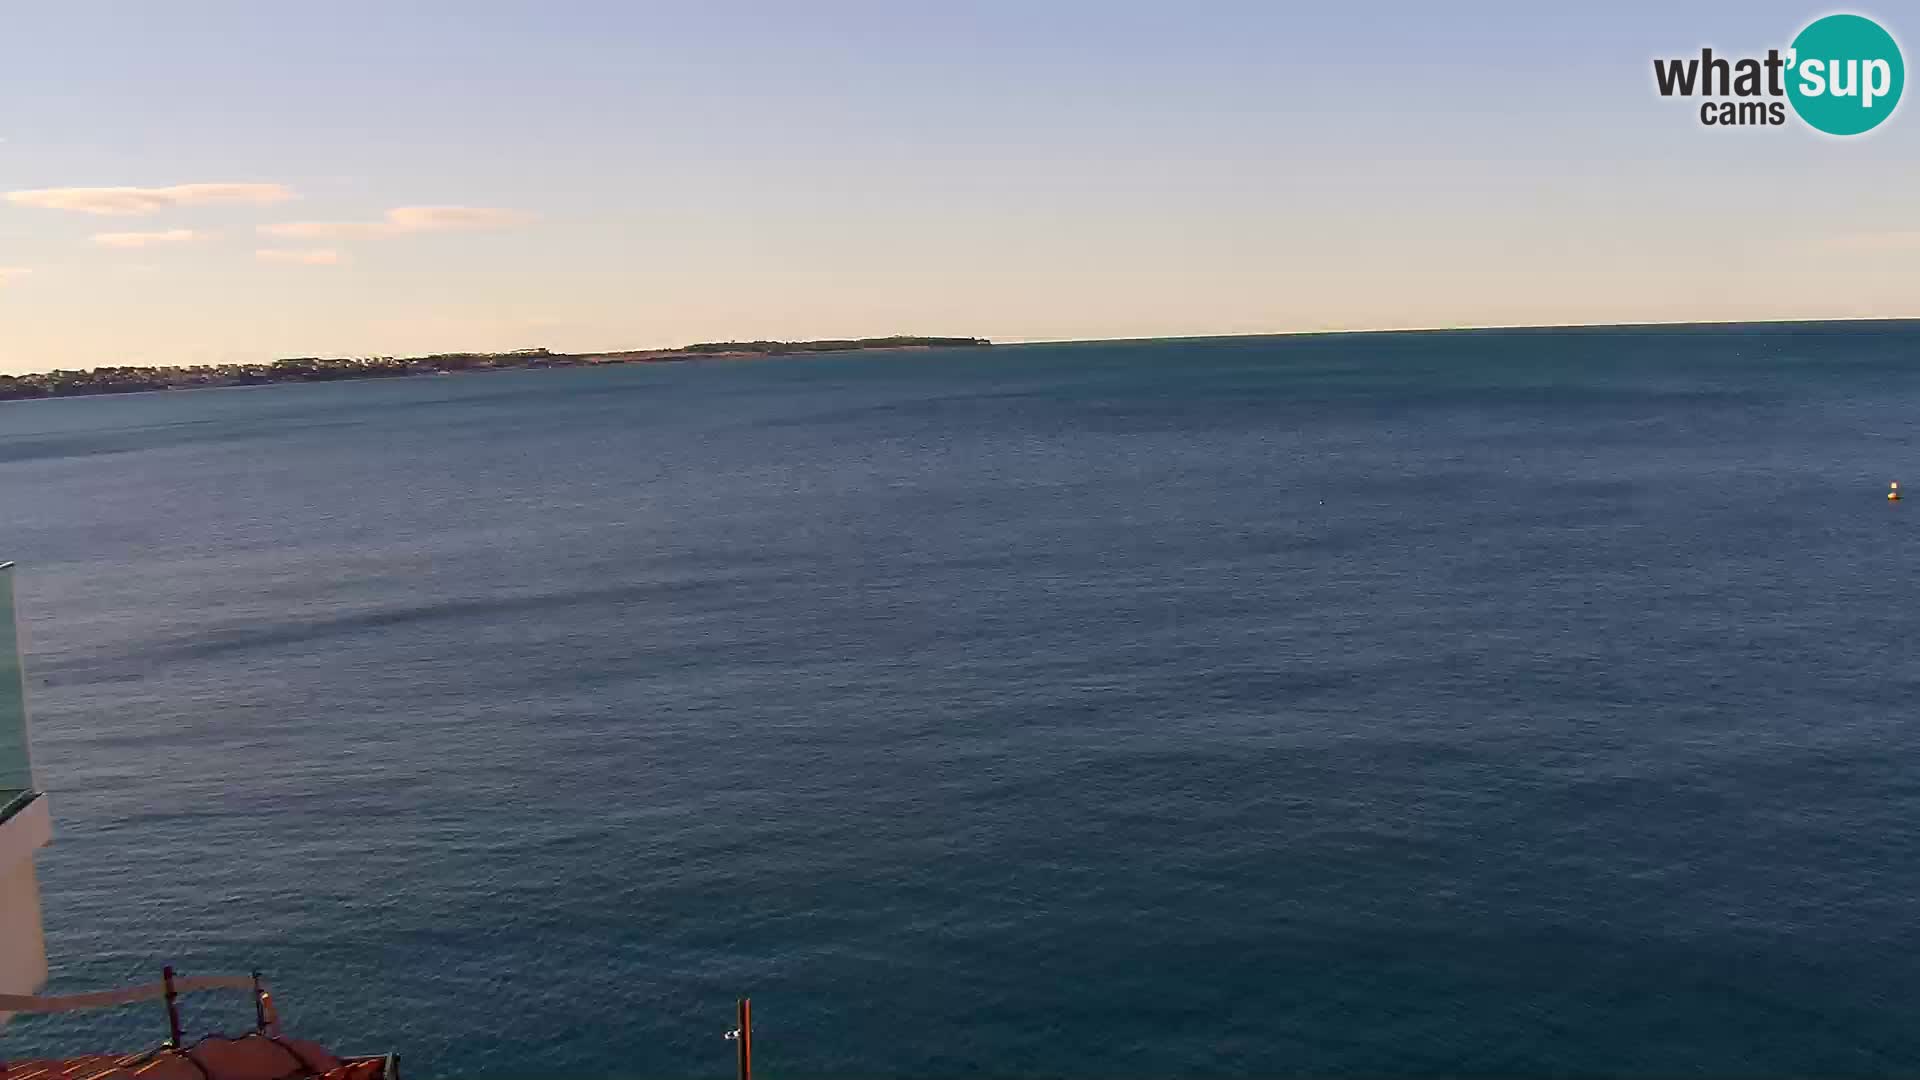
(1492, 703)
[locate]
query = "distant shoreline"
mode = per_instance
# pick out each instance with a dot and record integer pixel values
(135, 380)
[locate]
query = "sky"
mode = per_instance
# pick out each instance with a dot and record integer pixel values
(353, 179)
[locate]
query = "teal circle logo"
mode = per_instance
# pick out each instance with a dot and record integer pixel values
(1845, 74)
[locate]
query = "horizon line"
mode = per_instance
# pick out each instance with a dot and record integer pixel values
(1472, 328)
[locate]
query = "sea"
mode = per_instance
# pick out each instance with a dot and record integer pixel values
(1485, 703)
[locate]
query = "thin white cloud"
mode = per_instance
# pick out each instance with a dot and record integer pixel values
(299, 256)
(436, 218)
(1877, 241)
(134, 201)
(145, 239)
(325, 230)
(403, 219)
(9, 273)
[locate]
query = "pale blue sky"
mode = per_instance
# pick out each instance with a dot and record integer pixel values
(669, 173)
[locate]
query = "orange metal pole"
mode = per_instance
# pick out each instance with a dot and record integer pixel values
(746, 1039)
(173, 1007)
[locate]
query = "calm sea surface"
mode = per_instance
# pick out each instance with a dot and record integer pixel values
(1483, 703)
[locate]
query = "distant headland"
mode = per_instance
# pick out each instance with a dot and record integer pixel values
(130, 380)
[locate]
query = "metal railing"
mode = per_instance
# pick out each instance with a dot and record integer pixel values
(14, 800)
(169, 989)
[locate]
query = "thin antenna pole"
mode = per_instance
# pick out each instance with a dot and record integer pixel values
(173, 1007)
(746, 1039)
(259, 1005)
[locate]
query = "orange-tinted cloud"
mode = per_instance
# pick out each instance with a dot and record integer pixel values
(404, 219)
(135, 201)
(299, 256)
(145, 239)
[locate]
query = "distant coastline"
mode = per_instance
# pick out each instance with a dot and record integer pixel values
(130, 380)
(133, 380)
